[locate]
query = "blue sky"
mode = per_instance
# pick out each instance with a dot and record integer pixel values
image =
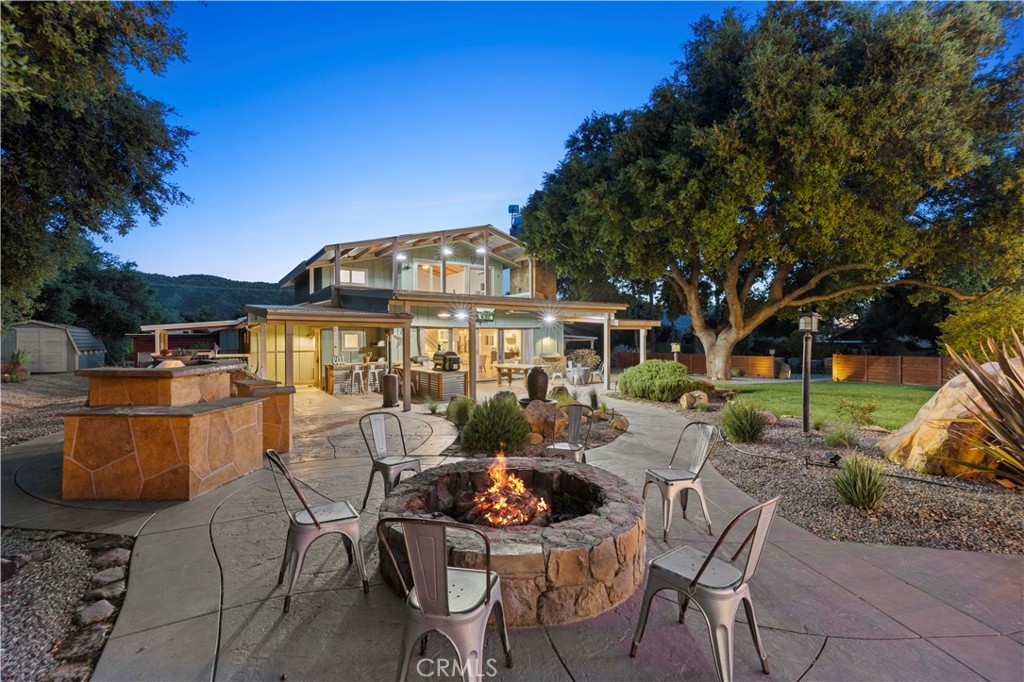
(322, 122)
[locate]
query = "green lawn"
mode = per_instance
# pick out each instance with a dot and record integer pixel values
(897, 405)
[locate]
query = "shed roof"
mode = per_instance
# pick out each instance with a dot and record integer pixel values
(81, 338)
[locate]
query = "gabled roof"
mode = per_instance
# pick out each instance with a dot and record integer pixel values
(499, 244)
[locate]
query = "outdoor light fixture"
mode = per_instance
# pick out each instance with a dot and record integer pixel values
(481, 250)
(444, 315)
(549, 319)
(808, 325)
(461, 315)
(445, 251)
(401, 256)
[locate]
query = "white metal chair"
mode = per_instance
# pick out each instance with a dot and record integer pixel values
(386, 460)
(311, 523)
(453, 601)
(597, 374)
(574, 447)
(717, 587)
(356, 384)
(674, 483)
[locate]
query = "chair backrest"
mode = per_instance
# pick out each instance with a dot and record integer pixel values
(374, 425)
(576, 412)
(754, 541)
(697, 455)
(426, 546)
(277, 466)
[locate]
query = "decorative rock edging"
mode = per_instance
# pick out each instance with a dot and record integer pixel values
(562, 573)
(66, 643)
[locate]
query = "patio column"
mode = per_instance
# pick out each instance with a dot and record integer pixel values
(607, 351)
(487, 272)
(289, 361)
(394, 264)
(261, 350)
(473, 351)
(337, 266)
(641, 342)
(406, 366)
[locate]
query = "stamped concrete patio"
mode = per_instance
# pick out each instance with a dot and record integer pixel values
(203, 603)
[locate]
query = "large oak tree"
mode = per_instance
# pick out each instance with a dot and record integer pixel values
(816, 153)
(84, 154)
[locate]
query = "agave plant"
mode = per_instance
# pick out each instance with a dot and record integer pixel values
(1000, 409)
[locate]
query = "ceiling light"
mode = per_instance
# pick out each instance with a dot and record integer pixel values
(549, 319)
(401, 256)
(446, 251)
(461, 315)
(481, 250)
(444, 315)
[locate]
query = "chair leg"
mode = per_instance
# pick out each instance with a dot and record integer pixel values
(503, 632)
(645, 610)
(369, 485)
(699, 489)
(423, 644)
(403, 664)
(684, 601)
(284, 560)
(721, 619)
(666, 514)
(360, 561)
(684, 499)
(299, 551)
(748, 606)
(347, 541)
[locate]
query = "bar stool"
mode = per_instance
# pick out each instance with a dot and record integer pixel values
(357, 380)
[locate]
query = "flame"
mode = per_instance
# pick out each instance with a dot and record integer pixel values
(507, 502)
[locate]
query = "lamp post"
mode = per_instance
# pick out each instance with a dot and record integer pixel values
(808, 325)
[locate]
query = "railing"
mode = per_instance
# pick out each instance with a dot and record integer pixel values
(892, 369)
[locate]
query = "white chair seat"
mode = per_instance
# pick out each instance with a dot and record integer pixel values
(395, 460)
(671, 475)
(325, 513)
(467, 589)
(684, 562)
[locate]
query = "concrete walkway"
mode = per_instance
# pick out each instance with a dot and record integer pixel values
(203, 602)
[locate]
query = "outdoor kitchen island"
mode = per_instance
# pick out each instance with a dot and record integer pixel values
(440, 384)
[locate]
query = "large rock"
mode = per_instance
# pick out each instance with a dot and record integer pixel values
(934, 432)
(692, 399)
(546, 419)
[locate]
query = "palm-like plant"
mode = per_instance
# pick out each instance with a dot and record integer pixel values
(1000, 409)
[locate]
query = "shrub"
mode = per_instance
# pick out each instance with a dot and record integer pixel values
(575, 395)
(860, 483)
(432, 403)
(459, 410)
(594, 400)
(661, 380)
(743, 422)
(493, 422)
(861, 414)
(21, 357)
(704, 407)
(819, 423)
(840, 435)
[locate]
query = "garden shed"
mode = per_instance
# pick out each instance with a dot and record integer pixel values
(55, 347)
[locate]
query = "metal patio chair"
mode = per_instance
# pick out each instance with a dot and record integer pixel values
(386, 460)
(307, 525)
(453, 601)
(574, 447)
(674, 483)
(717, 587)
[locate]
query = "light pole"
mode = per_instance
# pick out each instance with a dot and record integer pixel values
(808, 325)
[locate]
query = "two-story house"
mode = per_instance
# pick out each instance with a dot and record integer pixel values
(472, 290)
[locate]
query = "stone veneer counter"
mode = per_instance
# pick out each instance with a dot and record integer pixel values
(160, 433)
(205, 381)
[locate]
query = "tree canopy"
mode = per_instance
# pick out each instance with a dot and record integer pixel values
(108, 297)
(84, 154)
(815, 153)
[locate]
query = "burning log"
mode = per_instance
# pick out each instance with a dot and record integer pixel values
(506, 502)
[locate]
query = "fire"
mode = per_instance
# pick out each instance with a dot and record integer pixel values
(507, 502)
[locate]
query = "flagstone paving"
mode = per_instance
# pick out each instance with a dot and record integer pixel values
(203, 601)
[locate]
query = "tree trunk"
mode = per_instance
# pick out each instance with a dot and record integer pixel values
(718, 347)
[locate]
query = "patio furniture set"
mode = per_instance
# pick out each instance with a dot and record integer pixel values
(458, 601)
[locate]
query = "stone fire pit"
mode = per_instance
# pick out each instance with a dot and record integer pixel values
(560, 573)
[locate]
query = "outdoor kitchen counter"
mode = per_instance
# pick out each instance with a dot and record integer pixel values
(441, 385)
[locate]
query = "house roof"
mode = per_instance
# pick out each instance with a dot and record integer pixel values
(498, 243)
(188, 326)
(327, 315)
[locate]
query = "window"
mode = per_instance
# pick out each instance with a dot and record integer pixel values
(352, 276)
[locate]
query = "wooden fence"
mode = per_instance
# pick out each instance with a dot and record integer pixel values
(891, 369)
(759, 366)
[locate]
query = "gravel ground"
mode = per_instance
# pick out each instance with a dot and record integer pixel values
(33, 408)
(927, 511)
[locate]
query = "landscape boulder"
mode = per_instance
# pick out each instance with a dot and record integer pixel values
(620, 423)
(934, 433)
(692, 399)
(546, 419)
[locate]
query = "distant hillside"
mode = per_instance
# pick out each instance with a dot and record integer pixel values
(208, 297)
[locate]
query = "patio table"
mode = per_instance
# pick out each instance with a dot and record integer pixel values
(507, 369)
